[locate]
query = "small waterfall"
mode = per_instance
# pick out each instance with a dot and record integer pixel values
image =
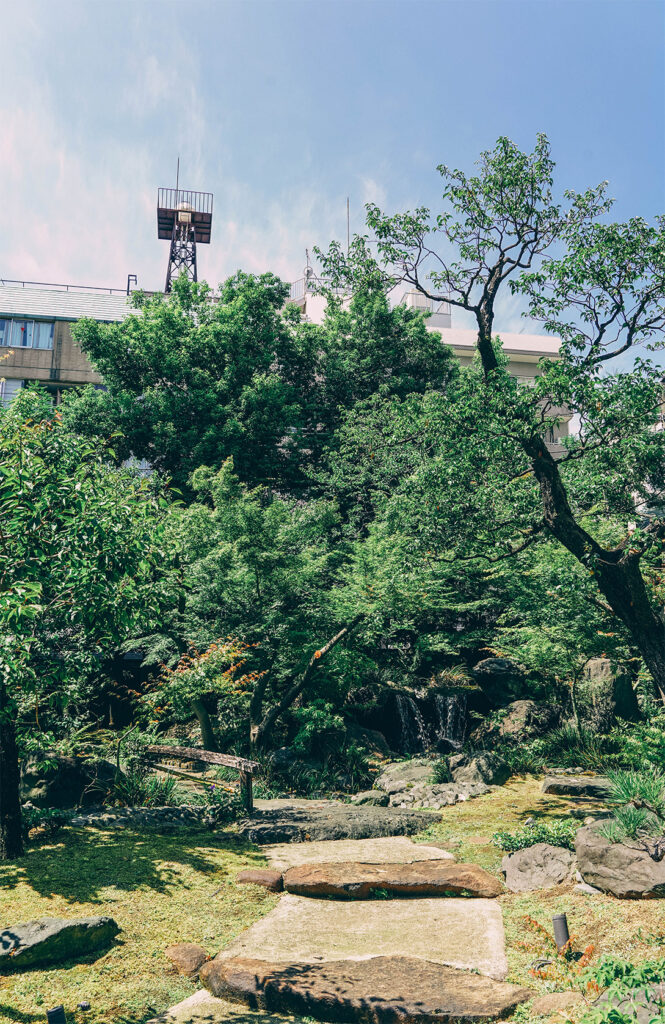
(451, 712)
(415, 737)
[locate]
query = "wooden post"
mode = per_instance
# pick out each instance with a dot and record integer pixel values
(247, 791)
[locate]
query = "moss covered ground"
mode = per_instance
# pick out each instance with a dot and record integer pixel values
(180, 887)
(160, 890)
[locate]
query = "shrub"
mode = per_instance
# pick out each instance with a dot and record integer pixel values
(640, 806)
(624, 981)
(558, 832)
(441, 772)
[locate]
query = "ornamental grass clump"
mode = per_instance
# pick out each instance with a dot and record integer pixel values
(639, 806)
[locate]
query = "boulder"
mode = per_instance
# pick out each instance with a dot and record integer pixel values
(51, 939)
(501, 680)
(479, 768)
(66, 781)
(361, 881)
(265, 877)
(541, 866)
(401, 775)
(373, 741)
(391, 850)
(590, 786)
(625, 870)
(187, 958)
(604, 693)
(373, 797)
(378, 990)
(523, 720)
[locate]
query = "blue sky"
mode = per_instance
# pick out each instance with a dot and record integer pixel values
(282, 108)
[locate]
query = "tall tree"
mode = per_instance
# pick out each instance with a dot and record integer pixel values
(81, 560)
(490, 480)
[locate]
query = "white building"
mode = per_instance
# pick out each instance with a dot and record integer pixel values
(524, 351)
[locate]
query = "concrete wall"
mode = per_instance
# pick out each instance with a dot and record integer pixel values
(65, 364)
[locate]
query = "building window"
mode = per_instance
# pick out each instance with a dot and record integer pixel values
(8, 390)
(27, 333)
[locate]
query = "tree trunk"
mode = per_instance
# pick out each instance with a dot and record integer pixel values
(11, 826)
(208, 737)
(617, 571)
(260, 733)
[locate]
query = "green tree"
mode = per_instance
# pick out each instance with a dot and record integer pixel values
(261, 568)
(490, 484)
(81, 562)
(192, 379)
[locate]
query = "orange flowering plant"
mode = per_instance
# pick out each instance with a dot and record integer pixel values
(213, 676)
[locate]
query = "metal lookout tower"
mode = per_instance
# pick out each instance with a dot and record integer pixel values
(183, 218)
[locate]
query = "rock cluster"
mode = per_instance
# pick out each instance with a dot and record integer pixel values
(411, 783)
(163, 818)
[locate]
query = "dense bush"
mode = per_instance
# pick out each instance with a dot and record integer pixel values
(558, 832)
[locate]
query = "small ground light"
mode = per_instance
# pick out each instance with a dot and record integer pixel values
(561, 933)
(84, 1005)
(56, 1015)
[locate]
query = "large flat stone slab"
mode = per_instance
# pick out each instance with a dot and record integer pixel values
(381, 990)
(298, 821)
(352, 881)
(388, 850)
(462, 933)
(203, 1008)
(594, 787)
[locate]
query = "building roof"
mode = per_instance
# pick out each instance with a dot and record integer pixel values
(64, 303)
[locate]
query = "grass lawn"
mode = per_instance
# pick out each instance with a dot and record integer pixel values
(180, 888)
(159, 889)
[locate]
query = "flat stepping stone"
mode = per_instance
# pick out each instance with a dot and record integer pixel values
(297, 821)
(361, 881)
(462, 933)
(594, 786)
(389, 850)
(380, 990)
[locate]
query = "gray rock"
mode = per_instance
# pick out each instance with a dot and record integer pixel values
(481, 768)
(66, 782)
(286, 821)
(51, 939)
(522, 720)
(501, 681)
(594, 786)
(373, 797)
(541, 866)
(604, 693)
(588, 890)
(401, 775)
(624, 869)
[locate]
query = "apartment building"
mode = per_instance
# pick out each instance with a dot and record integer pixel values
(36, 334)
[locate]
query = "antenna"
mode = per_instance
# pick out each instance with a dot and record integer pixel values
(184, 218)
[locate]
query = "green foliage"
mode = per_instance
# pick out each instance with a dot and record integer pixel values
(441, 772)
(627, 984)
(191, 382)
(82, 560)
(320, 728)
(556, 832)
(640, 805)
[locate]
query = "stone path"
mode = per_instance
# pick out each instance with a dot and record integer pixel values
(360, 958)
(295, 821)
